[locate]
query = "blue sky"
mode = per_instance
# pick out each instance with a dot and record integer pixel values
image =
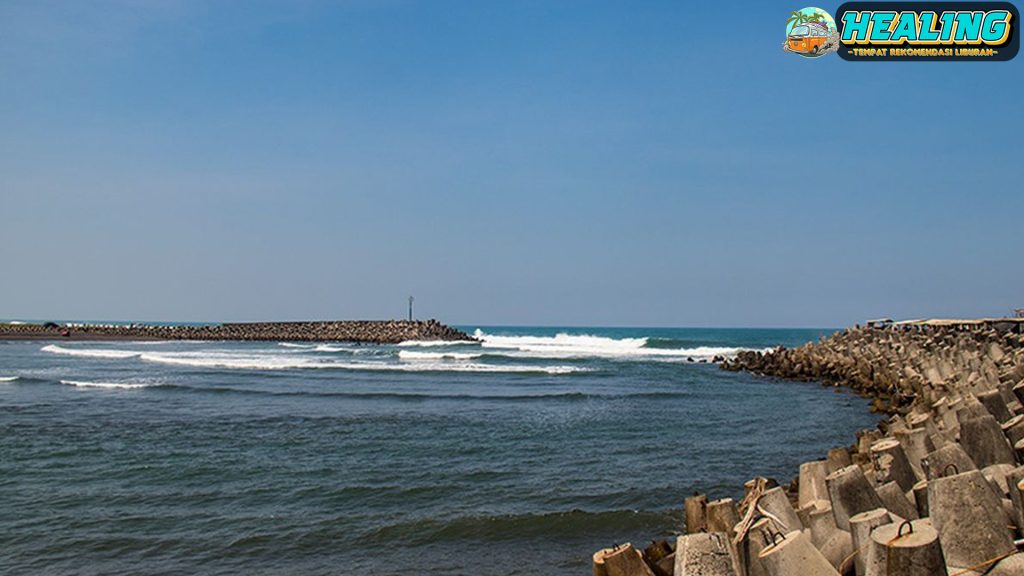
(550, 162)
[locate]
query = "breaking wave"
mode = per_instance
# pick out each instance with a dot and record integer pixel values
(8, 378)
(256, 362)
(316, 347)
(428, 343)
(86, 384)
(583, 345)
(414, 355)
(89, 353)
(407, 361)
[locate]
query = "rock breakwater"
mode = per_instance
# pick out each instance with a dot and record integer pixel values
(363, 331)
(936, 489)
(900, 363)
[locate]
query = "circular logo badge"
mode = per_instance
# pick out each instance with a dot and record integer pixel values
(811, 32)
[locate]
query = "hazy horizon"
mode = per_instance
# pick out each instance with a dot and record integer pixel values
(452, 324)
(536, 163)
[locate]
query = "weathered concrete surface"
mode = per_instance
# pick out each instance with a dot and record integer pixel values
(905, 549)
(796, 555)
(705, 554)
(970, 519)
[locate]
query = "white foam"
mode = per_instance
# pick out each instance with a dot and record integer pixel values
(430, 343)
(231, 360)
(316, 347)
(414, 355)
(89, 353)
(478, 367)
(329, 348)
(8, 378)
(85, 384)
(584, 345)
(234, 361)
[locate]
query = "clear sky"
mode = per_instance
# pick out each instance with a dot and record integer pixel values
(514, 162)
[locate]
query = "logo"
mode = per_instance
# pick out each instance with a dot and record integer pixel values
(928, 31)
(972, 31)
(811, 32)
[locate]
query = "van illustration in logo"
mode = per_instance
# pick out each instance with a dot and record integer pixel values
(811, 32)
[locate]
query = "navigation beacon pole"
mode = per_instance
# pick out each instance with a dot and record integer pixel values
(411, 299)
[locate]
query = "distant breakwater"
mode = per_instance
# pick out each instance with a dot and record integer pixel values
(360, 331)
(897, 364)
(935, 490)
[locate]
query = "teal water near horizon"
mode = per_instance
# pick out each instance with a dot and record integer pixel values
(519, 454)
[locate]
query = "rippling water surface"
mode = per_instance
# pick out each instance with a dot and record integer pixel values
(518, 455)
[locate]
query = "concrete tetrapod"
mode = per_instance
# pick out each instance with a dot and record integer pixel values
(660, 557)
(1018, 391)
(892, 465)
(949, 455)
(994, 402)
(921, 498)
(1018, 449)
(834, 544)
(970, 410)
(910, 548)
(621, 561)
(696, 513)
(916, 445)
(1015, 480)
(926, 422)
(838, 458)
(851, 494)
(1014, 429)
(812, 483)
(706, 554)
(723, 516)
(775, 504)
(795, 555)
(757, 538)
(969, 518)
(1012, 566)
(861, 526)
(597, 561)
(997, 477)
(896, 501)
(983, 439)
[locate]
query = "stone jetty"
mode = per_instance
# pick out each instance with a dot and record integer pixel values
(937, 489)
(362, 331)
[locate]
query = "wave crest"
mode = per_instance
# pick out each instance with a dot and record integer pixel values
(563, 345)
(87, 384)
(414, 355)
(89, 353)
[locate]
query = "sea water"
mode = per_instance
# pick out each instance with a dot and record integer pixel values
(520, 454)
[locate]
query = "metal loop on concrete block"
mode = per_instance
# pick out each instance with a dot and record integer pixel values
(899, 532)
(947, 467)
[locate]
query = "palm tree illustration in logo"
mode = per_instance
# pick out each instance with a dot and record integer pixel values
(797, 18)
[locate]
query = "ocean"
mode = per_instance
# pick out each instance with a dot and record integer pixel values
(522, 454)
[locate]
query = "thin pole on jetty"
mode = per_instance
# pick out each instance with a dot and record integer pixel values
(411, 300)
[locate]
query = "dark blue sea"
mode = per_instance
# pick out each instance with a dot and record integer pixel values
(522, 454)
